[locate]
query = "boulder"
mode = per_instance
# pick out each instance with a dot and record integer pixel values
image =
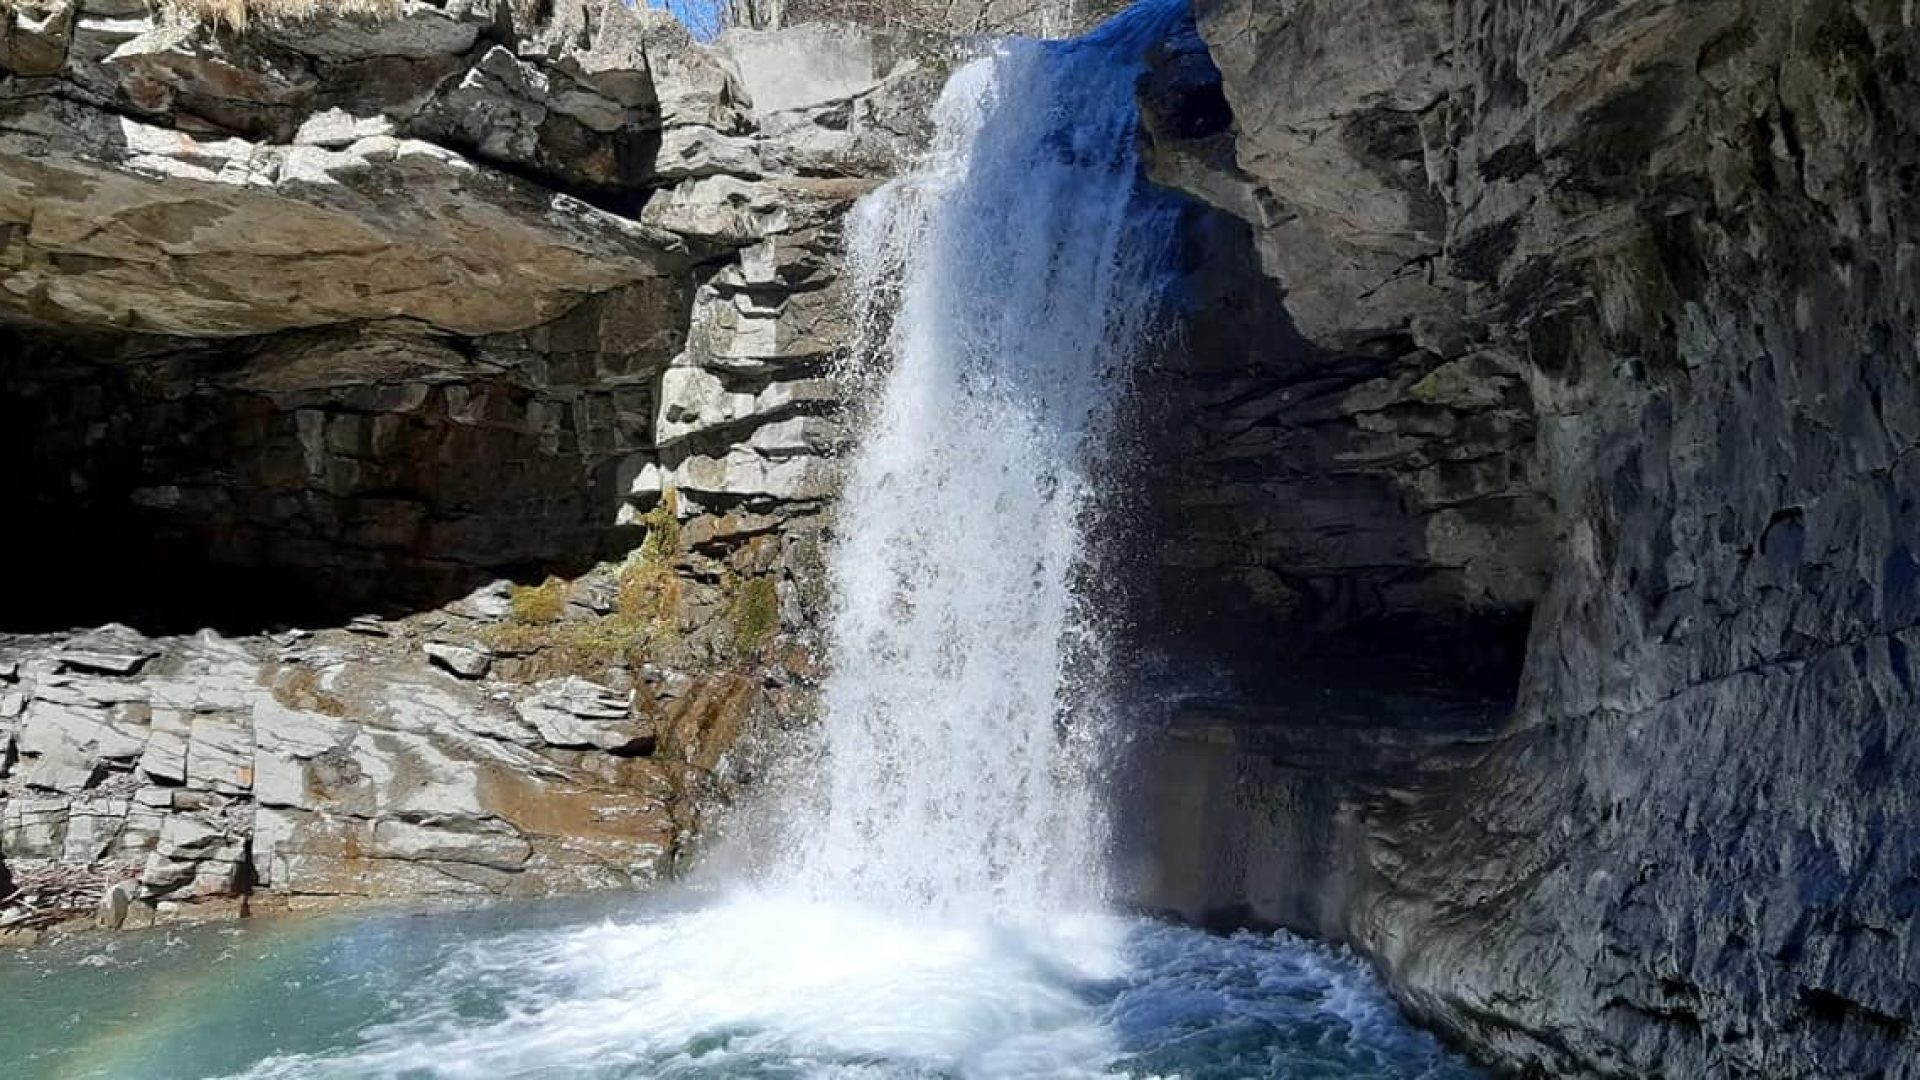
(462, 660)
(274, 237)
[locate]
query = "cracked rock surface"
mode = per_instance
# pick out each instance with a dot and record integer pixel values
(1671, 243)
(430, 413)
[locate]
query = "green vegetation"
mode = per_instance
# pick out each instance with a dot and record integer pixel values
(754, 614)
(645, 616)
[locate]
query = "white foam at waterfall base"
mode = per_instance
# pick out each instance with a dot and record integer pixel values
(774, 986)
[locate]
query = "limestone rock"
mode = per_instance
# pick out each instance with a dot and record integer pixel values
(220, 754)
(33, 828)
(464, 661)
(572, 712)
(344, 243)
(807, 65)
(193, 857)
(110, 651)
(258, 291)
(115, 903)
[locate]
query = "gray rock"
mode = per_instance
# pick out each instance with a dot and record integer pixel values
(165, 756)
(491, 602)
(64, 769)
(435, 258)
(97, 734)
(1668, 434)
(462, 660)
(334, 129)
(33, 828)
(494, 846)
(286, 741)
(804, 65)
(575, 713)
(220, 754)
(687, 152)
(93, 830)
(115, 903)
(192, 858)
(345, 253)
(106, 659)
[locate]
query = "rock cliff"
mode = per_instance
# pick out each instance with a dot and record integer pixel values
(1530, 495)
(465, 369)
(1594, 321)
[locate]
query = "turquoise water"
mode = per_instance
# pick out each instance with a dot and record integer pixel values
(691, 986)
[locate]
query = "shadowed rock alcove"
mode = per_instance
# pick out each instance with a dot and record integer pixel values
(304, 476)
(1355, 517)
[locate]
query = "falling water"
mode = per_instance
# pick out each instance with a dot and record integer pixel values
(939, 914)
(1006, 285)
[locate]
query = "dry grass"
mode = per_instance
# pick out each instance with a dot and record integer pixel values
(542, 603)
(237, 14)
(645, 619)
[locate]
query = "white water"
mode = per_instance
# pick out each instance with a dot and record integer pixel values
(1006, 284)
(939, 911)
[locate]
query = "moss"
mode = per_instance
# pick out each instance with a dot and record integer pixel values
(542, 603)
(650, 595)
(663, 529)
(753, 612)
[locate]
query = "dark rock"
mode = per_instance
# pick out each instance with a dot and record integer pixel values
(1668, 241)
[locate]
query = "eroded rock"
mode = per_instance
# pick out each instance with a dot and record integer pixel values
(1625, 290)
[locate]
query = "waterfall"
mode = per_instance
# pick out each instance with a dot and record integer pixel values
(1005, 284)
(937, 910)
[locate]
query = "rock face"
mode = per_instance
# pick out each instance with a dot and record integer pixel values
(1602, 315)
(322, 767)
(1537, 465)
(360, 314)
(511, 327)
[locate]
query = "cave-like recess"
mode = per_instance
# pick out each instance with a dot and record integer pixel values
(298, 478)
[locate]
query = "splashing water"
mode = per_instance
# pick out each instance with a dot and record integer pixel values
(939, 910)
(1006, 286)
(670, 987)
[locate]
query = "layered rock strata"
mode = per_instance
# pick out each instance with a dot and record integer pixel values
(498, 342)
